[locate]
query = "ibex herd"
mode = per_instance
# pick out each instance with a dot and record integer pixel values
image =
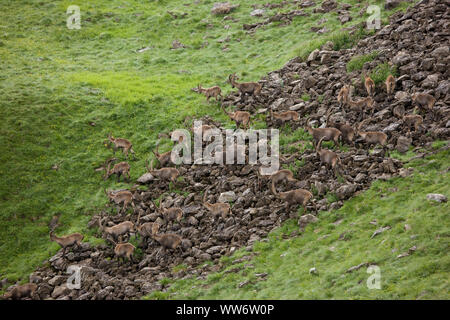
(334, 131)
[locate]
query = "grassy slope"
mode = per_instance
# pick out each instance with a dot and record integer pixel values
(55, 81)
(333, 249)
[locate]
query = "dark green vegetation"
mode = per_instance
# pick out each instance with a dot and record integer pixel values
(62, 91)
(342, 239)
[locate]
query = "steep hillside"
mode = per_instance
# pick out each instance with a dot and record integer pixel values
(142, 92)
(64, 90)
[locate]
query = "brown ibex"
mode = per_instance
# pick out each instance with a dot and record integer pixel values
(372, 137)
(425, 101)
(73, 239)
(123, 144)
(280, 176)
(390, 84)
(164, 158)
(343, 96)
(216, 209)
(121, 168)
(251, 88)
(297, 196)
(370, 85)
(124, 250)
(239, 117)
(23, 291)
(118, 230)
(170, 214)
(122, 196)
(329, 134)
(210, 92)
(328, 157)
(413, 120)
(168, 174)
(168, 240)
(285, 116)
(347, 131)
(361, 105)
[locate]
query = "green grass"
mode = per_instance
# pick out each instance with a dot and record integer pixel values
(381, 72)
(64, 90)
(356, 63)
(332, 248)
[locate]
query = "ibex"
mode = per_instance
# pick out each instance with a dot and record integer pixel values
(171, 214)
(372, 137)
(329, 134)
(328, 157)
(168, 240)
(145, 230)
(163, 173)
(67, 241)
(124, 250)
(164, 158)
(425, 101)
(285, 116)
(279, 176)
(297, 196)
(123, 144)
(415, 120)
(216, 209)
(23, 291)
(251, 88)
(118, 230)
(210, 92)
(240, 117)
(121, 168)
(370, 85)
(361, 105)
(390, 84)
(347, 132)
(122, 196)
(343, 96)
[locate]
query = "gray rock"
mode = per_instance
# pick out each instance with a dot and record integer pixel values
(227, 196)
(436, 197)
(257, 12)
(403, 144)
(145, 178)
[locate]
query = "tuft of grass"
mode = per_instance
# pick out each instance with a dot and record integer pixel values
(356, 63)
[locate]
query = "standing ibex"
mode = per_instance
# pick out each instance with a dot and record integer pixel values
(390, 84)
(124, 250)
(123, 144)
(297, 196)
(343, 96)
(164, 158)
(67, 241)
(122, 196)
(347, 131)
(168, 240)
(424, 101)
(285, 116)
(361, 105)
(23, 291)
(279, 176)
(216, 209)
(413, 120)
(372, 137)
(121, 168)
(240, 117)
(329, 134)
(251, 88)
(163, 173)
(369, 84)
(328, 157)
(210, 92)
(170, 214)
(118, 230)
